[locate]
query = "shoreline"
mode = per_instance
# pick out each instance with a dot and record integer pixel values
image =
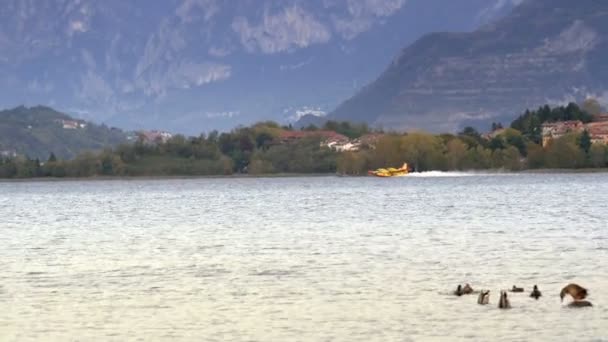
(549, 171)
(176, 177)
(285, 175)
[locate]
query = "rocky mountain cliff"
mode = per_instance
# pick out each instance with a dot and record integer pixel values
(196, 65)
(545, 51)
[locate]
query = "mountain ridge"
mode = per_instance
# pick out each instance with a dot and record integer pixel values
(542, 52)
(196, 65)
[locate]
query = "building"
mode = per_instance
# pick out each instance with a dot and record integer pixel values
(8, 153)
(331, 139)
(154, 136)
(342, 146)
(555, 130)
(598, 132)
(600, 118)
(72, 124)
(369, 140)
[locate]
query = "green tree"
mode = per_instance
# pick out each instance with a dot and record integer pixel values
(388, 152)
(496, 126)
(512, 159)
(470, 131)
(592, 106)
(260, 166)
(597, 155)
(564, 153)
(8, 168)
(423, 151)
(52, 158)
(213, 137)
(536, 156)
(478, 158)
(514, 138)
(496, 143)
(456, 154)
(585, 141)
(263, 139)
(471, 137)
(352, 163)
(27, 168)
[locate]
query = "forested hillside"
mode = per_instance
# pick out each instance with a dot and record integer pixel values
(37, 132)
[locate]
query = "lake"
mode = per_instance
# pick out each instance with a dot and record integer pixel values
(302, 259)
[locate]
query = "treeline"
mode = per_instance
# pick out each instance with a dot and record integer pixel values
(351, 130)
(255, 150)
(469, 151)
(259, 149)
(529, 123)
(515, 148)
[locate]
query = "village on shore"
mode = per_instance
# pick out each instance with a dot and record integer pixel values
(598, 131)
(565, 137)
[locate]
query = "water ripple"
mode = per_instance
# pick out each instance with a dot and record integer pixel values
(310, 259)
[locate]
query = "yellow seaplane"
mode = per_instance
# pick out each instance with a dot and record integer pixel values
(390, 172)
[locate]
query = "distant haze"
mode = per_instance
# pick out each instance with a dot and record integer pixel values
(196, 65)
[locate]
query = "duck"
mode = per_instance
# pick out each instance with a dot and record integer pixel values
(576, 291)
(517, 289)
(458, 291)
(484, 297)
(580, 304)
(503, 303)
(535, 293)
(467, 289)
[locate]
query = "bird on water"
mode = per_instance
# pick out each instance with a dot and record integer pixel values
(580, 304)
(504, 303)
(535, 292)
(467, 289)
(517, 289)
(484, 297)
(575, 291)
(458, 291)
(578, 293)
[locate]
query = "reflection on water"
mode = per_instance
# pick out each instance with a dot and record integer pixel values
(309, 259)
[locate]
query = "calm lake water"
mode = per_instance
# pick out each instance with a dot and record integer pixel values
(302, 259)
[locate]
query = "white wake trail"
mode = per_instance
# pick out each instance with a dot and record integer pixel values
(437, 174)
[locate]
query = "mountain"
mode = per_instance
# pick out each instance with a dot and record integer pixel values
(195, 65)
(39, 131)
(544, 51)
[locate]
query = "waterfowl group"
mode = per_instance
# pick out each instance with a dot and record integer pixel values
(577, 292)
(460, 290)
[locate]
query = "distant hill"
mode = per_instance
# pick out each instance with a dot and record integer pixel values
(38, 131)
(544, 51)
